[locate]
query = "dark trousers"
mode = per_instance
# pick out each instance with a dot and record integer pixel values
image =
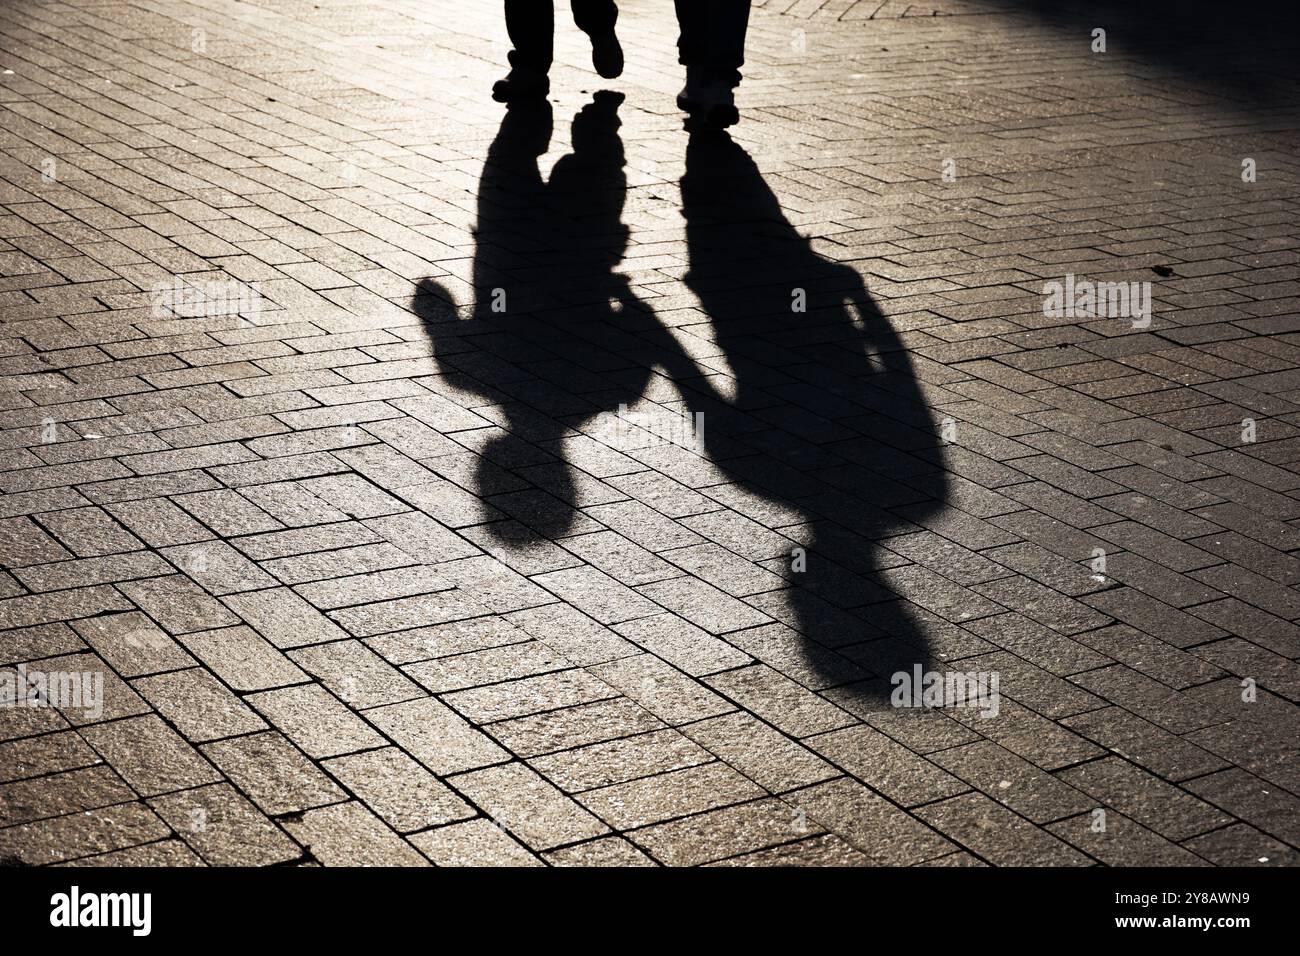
(712, 36)
(531, 25)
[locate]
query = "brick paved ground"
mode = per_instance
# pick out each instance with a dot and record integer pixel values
(370, 578)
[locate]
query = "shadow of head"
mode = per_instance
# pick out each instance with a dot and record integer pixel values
(819, 421)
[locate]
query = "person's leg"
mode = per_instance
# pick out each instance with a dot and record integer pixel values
(692, 32)
(531, 26)
(728, 23)
(712, 47)
(596, 18)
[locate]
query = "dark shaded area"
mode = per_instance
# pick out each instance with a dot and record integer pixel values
(826, 415)
(1249, 52)
(555, 336)
(823, 430)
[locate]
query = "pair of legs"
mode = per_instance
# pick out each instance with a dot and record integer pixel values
(531, 25)
(711, 45)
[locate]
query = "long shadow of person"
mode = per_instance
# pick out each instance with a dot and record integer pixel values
(813, 420)
(820, 419)
(551, 340)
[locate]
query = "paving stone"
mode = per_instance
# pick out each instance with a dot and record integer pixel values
(149, 755)
(133, 644)
(73, 791)
(81, 834)
(759, 751)
(198, 705)
(723, 833)
(1144, 798)
(825, 850)
(274, 775)
(436, 736)
(780, 701)
(1012, 782)
(661, 689)
(355, 674)
(1248, 798)
(315, 720)
(997, 834)
(224, 828)
(476, 842)
(1150, 746)
(572, 634)
(529, 695)
(283, 618)
(398, 789)
(38, 756)
(104, 695)
(617, 761)
(572, 727)
(1122, 842)
(527, 806)
(347, 834)
(1242, 845)
(605, 851)
(242, 659)
(673, 794)
(682, 644)
(488, 666)
(884, 834)
(456, 637)
(885, 766)
(161, 853)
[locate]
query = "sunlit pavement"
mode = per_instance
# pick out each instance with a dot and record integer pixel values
(636, 530)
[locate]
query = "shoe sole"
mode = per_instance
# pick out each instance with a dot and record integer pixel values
(507, 96)
(717, 116)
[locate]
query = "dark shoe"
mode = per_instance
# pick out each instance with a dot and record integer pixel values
(715, 104)
(607, 55)
(519, 84)
(688, 100)
(722, 115)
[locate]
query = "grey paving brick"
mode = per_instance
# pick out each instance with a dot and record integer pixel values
(274, 775)
(398, 789)
(528, 807)
(315, 720)
(347, 834)
(478, 842)
(436, 736)
(149, 755)
(225, 829)
(996, 834)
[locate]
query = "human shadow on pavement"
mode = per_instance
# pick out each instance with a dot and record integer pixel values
(814, 423)
(820, 419)
(555, 336)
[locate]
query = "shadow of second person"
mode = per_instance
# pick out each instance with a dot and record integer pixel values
(548, 343)
(818, 420)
